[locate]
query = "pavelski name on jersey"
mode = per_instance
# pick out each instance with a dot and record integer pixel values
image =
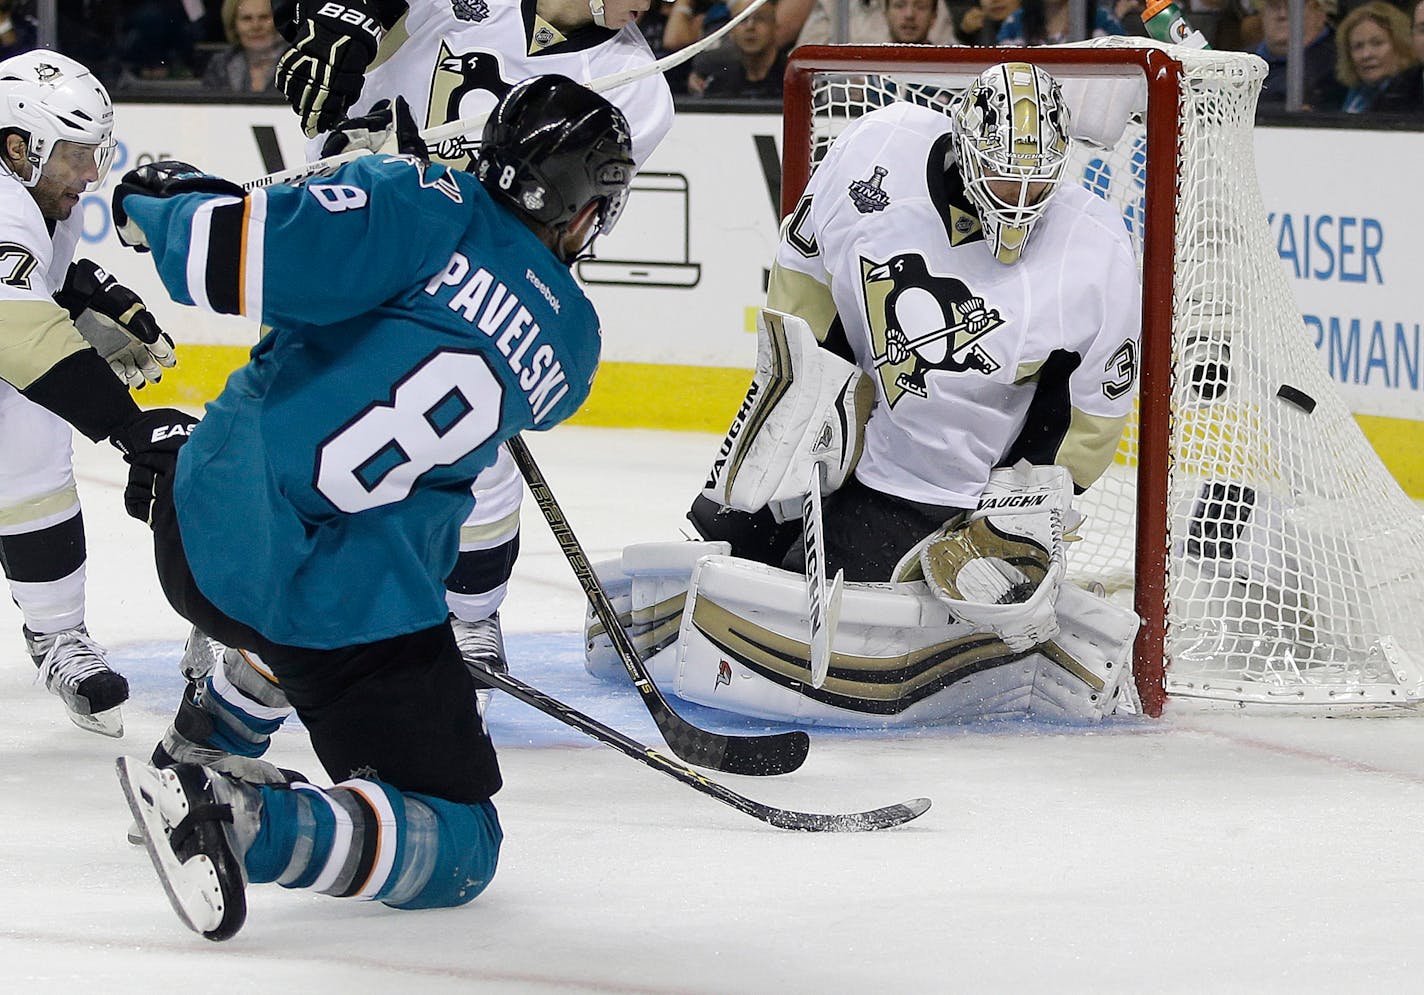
(496, 311)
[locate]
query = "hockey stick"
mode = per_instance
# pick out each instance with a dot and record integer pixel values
(808, 822)
(776, 753)
(825, 610)
(464, 126)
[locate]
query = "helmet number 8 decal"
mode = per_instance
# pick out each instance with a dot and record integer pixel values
(506, 177)
(445, 409)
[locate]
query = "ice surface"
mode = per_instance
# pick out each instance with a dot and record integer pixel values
(1199, 853)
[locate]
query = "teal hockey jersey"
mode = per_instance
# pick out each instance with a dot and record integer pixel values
(415, 325)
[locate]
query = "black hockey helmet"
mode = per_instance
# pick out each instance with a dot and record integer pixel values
(550, 147)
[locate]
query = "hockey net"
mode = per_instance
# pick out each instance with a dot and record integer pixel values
(1272, 557)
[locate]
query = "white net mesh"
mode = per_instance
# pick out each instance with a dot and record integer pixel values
(1295, 568)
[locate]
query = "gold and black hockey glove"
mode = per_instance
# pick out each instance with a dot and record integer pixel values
(333, 41)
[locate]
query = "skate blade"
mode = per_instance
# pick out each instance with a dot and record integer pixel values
(106, 723)
(193, 888)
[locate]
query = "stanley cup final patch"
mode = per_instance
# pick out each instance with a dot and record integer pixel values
(867, 196)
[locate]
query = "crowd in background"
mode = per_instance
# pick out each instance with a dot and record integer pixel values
(1361, 56)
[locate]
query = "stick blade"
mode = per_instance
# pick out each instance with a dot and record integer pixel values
(849, 822)
(764, 756)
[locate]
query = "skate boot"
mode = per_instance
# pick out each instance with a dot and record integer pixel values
(189, 740)
(201, 654)
(482, 647)
(196, 825)
(73, 667)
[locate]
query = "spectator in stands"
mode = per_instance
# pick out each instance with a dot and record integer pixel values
(909, 21)
(814, 22)
(1319, 38)
(156, 42)
(653, 24)
(17, 28)
(1375, 61)
(751, 66)
(1045, 22)
(692, 20)
(980, 23)
(249, 64)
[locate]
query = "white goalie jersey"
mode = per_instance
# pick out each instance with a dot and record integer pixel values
(976, 363)
(453, 59)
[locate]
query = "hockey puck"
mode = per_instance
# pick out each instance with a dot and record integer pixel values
(1297, 397)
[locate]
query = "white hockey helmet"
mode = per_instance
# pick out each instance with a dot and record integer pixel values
(50, 98)
(1011, 141)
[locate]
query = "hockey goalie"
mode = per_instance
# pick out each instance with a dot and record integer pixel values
(932, 388)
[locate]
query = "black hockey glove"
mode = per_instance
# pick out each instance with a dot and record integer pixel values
(165, 178)
(333, 41)
(381, 129)
(150, 444)
(113, 320)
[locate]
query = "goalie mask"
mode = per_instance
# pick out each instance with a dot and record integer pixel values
(64, 114)
(1011, 141)
(553, 146)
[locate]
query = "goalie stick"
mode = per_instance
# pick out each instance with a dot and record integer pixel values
(464, 126)
(806, 822)
(777, 753)
(824, 609)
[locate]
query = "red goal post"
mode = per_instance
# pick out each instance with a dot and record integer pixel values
(1248, 592)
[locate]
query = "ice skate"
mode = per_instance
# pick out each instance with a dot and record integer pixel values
(196, 825)
(74, 667)
(482, 648)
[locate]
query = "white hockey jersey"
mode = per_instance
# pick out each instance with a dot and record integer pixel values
(35, 332)
(453, 59)
(976, 363)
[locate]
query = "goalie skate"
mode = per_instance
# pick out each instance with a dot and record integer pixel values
(186, 830)
(74, 667)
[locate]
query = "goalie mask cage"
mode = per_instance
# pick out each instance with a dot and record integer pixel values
(1272, 558)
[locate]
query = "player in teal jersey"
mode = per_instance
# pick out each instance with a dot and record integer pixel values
(313, 515)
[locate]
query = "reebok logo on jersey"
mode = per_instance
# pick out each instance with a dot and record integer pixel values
(543, 289)
(170, 431)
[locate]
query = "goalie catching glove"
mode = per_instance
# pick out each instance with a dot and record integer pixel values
(1002, 567)
(165, 178)
(332, 44)
(113, 320)
(150, 444)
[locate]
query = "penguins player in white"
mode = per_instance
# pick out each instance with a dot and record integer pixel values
(60, 320)
(950, 344)
(452, 59)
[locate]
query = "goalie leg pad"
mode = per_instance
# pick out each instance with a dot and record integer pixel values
(805, 405)
(899, 659)
(646, 587)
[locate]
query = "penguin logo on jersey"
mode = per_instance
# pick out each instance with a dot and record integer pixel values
(463, 85)
(922, 322)
(473, 11)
